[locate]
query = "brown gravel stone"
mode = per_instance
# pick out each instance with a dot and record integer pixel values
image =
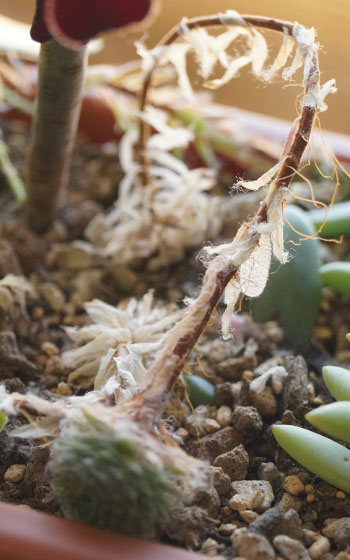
(15, 473)
(234, 463)
(212, 445)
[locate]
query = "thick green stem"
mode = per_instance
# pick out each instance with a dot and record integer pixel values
(61, 80)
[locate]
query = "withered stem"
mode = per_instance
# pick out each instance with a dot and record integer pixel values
(146, 405)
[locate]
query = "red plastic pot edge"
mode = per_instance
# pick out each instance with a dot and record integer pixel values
(26, 534)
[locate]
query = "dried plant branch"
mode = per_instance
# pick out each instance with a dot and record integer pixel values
(227, 268)
(178, 31)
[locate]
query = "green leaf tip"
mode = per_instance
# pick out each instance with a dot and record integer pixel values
(3, 420)
(200, 390)
(336, 219)
(337, 381)
(322, 456)
(337, 276)
(332, 419)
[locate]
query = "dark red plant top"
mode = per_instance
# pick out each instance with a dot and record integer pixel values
(77, 21)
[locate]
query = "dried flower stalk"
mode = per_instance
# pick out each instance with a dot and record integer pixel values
(225, 267)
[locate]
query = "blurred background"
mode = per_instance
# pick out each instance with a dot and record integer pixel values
(330, 18)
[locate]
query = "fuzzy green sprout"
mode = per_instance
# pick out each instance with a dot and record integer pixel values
(322, 456)
(125, 471)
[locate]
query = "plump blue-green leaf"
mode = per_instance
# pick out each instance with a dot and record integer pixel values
(337, 276)
(293, 291)
(200, 391)
(3, 420)
(337, 219)
(337, 380)
(332, 419)
(320, 455)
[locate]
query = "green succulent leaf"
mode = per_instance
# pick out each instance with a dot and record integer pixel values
(332, 419)
(337, 276)
(337, 380)
(293, 291)
(3, 420)
(337, 219)
(322, 456)
(200, 391)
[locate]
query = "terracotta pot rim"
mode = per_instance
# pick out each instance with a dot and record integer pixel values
(26, 534)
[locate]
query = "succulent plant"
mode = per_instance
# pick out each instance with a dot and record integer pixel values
(322, 456)
(337, 276)
(96, 470)
(293, 293)
(334, 221)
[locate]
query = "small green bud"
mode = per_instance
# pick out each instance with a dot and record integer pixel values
(200, 391)
(104, 478)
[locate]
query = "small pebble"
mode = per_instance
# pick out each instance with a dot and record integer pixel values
(248, 515)
(253, 546)
(49, 348)
(290, 549)
(53, 366)
(182, 434)
(290, 502)
(63, 389)
(309, 489)
(227, 528)
(256, 495)
(15, 473)
(210, 547)
(224, 416)
(340, 495)
(211, 425)
(310, 498)
(342, 556)
(234, 463)
(37, 313)
(293, 485)
(319, 547)
(221, 480)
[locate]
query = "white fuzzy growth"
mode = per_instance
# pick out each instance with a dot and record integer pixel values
(263, 181)
(277, 375)
(231, 296)
(250, 281)
(258, 52)
(326, 89)
(120, 343)
(231, 17)
(230, 73)
(167, 137)
(209, 49)
(281, 58)
(186, 214)
(275, 218)
(254, 273)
